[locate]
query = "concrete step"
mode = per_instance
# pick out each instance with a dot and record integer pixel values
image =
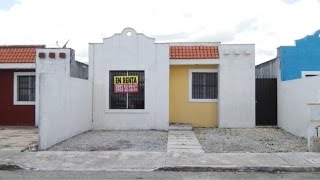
(181, 127)
(183, 151)
(183, 148)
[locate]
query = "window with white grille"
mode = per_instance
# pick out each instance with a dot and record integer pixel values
(24, 88)
(203, 85)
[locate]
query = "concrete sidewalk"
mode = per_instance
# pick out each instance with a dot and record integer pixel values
(150, 161)
(265, 162)
(84, 161)
(17, 138)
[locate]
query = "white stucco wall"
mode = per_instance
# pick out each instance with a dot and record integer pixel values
(63, 104)
(65, 108)
(293, 97)
(313, 126)
(52, 66)
(236, 86)
(135, 52)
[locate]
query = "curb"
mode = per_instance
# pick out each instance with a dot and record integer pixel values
(238, 169)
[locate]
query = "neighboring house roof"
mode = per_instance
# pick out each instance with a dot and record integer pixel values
(267, 70)
(19, 53)
(194, 52)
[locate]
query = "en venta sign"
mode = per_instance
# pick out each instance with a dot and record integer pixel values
(126, 84)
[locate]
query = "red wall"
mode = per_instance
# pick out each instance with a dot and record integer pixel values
(13, 115)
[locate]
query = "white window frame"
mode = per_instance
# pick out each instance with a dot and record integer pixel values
(190, 84)
(15, 88)
(305, 73)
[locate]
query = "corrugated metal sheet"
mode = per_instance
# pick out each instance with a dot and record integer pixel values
(267, 69)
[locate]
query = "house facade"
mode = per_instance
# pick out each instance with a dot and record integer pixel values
(19, 78)
(202, 84)
(17, 85)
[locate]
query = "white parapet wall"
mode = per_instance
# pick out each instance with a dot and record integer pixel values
(130, 51)
(293, 99)
(45, 64)
(237, 86)
(63, 103)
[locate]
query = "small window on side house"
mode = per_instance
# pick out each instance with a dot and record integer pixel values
(24, 88)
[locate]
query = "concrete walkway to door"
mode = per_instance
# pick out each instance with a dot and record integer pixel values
(183, 140)
(17, 138)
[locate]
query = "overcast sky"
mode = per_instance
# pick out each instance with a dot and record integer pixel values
(266, 23)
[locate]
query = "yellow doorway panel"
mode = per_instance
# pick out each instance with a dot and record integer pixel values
(199, 114)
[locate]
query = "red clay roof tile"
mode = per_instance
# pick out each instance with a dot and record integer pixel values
(19, 53)
(194, 52)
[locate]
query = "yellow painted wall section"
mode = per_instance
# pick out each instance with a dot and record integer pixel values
(199, 114)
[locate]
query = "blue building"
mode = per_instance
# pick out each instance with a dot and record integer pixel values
(301, 60)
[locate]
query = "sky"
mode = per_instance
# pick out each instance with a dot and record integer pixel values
(266, 23)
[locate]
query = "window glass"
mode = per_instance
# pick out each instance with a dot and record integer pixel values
(116, 100)
(26, 88)
(126, 100)
(204, 85)
(136, 100)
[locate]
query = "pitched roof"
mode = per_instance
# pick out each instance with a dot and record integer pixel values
(194, 52)
(19, 53)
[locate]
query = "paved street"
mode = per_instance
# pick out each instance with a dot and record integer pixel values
(151, 175)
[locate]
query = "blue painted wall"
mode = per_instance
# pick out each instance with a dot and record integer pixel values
(304, 56)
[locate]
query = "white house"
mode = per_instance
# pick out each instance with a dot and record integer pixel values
(168, 89)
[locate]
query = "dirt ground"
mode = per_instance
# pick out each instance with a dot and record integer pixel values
(115, 141)
(255, 140)
(217, 140)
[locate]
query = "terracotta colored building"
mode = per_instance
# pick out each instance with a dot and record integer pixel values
(17, 85)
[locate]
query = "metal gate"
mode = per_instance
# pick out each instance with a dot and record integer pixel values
(266, 102)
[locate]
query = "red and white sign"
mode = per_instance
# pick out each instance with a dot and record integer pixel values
(126, 88)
